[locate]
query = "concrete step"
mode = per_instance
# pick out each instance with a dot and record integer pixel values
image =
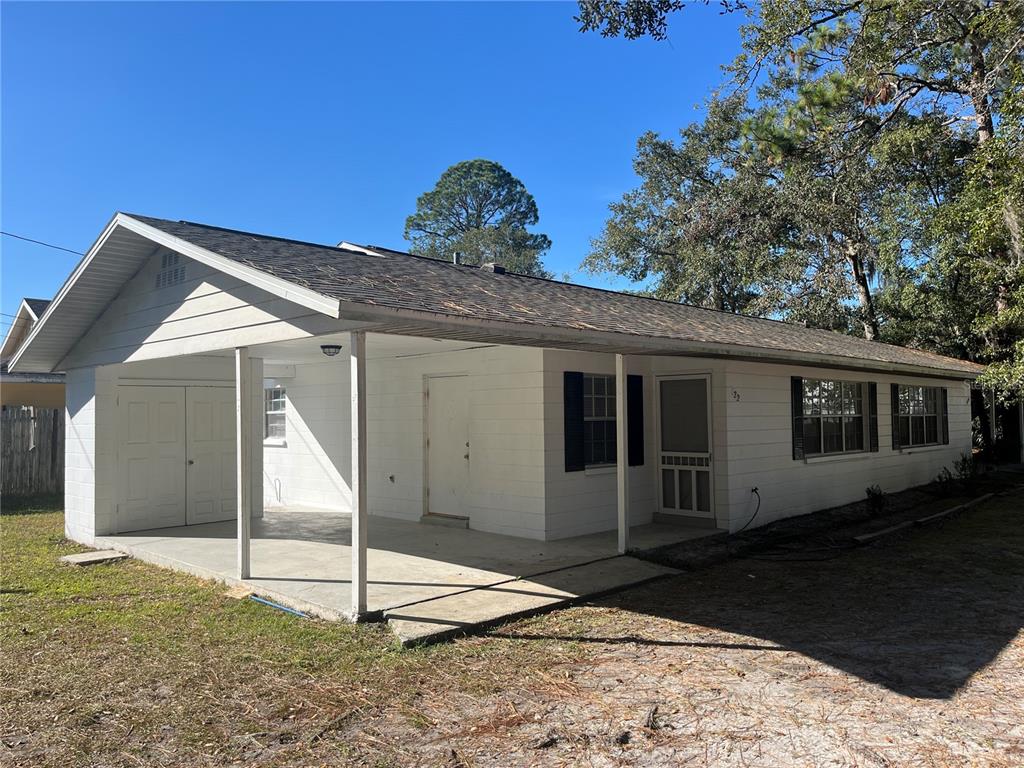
(94, 557)
(441, 618)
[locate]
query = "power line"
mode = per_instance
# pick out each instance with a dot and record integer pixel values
(40, 242)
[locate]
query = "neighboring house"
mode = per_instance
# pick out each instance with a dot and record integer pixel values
(27, 388)
(381, 383)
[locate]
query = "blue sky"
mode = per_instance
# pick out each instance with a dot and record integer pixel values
(322, 121)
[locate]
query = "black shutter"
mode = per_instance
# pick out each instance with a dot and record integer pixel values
(635, 419)
(944, 396)
(894, 401)
(797, 402)
(573, 400)
(872, 416)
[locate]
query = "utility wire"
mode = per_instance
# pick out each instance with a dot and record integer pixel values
(40, 242)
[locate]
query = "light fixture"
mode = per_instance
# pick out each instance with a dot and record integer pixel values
(330, 349)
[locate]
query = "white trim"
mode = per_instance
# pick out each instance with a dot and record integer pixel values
(275, 285)
(712, 513)
(17, 324)
(632, 344)
(76, 273)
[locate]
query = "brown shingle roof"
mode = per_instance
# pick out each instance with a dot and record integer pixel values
(402, 281)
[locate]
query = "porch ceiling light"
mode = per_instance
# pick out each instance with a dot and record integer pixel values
(330, 349)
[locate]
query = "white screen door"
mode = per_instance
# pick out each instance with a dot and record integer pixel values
(447, 445)
(151, 471)
(684, 461)
(210, 434)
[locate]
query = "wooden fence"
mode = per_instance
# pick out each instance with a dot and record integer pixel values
(31, 450)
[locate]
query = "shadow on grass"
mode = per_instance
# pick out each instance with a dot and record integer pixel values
(34, 504)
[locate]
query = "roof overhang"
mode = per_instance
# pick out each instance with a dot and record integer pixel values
(118, 253)
(23, 321)
(126, 243)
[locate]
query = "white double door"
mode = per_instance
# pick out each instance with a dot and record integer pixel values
(176, 456)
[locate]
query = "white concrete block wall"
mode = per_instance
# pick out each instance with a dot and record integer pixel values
(506, 493)
(312, 466)
(89, 458)
(758, 445)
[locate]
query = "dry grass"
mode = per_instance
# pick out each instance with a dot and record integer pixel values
(909, 652)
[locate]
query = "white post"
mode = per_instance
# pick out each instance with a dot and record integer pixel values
(357, 382)
(622, 452)
(243, 454)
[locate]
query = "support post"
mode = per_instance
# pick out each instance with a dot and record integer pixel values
(357, 382)
(243, 455)
(622, 452)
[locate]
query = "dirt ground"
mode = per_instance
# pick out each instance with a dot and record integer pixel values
(906, 652)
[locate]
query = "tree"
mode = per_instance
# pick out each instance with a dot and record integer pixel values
(892, 134)
(480, 211)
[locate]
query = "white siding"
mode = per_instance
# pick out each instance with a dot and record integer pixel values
(209, 311)
(585, 502)
(758, 445)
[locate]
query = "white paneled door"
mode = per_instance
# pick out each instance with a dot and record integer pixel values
(210, 439)
(448, 454)
(151, 458)
(176, 456)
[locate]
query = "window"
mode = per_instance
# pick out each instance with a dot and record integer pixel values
(919, 416)
(834, 417)
(273, 413)
(598, 419)
(172, 271)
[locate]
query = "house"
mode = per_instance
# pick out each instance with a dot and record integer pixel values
(216, 375)
(27, 388)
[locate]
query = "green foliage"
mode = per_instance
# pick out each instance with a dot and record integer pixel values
(860, 169)
(480, 211)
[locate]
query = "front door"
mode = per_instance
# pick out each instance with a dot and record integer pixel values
(684, 421)
(151, 450)
(447, 445)
(211, 484)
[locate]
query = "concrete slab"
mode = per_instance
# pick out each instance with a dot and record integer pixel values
(94, 557)
(444, 617)
(301, 558)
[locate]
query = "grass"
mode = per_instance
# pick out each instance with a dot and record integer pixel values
(906, 652)
(127, 664)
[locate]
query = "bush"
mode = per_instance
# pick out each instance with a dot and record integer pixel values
(877, 500)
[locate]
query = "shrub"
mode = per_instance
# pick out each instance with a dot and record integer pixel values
(877, 499)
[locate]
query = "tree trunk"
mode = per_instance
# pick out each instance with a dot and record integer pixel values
(979, 92)
(867, 305)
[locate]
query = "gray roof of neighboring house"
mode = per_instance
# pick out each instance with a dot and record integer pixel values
(29, 377)
(38, 306)
(397, 280)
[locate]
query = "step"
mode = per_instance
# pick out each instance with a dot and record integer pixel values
(444, 617)
(448, 521)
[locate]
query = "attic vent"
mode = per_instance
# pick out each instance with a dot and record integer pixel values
(172, 271)
(492, 267)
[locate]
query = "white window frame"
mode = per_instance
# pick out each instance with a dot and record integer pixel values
(275, 406)
(816, 410)
(912, 405)
(590, 403)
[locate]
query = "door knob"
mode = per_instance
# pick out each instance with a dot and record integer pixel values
(191, 462)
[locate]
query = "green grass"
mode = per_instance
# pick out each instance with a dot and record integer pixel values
(125, 663)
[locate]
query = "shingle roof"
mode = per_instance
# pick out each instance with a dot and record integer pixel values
(38, 306)
(402, 281)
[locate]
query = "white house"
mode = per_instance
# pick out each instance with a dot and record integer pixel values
(213, 374)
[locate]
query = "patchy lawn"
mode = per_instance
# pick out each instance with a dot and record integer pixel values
(907, 652)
